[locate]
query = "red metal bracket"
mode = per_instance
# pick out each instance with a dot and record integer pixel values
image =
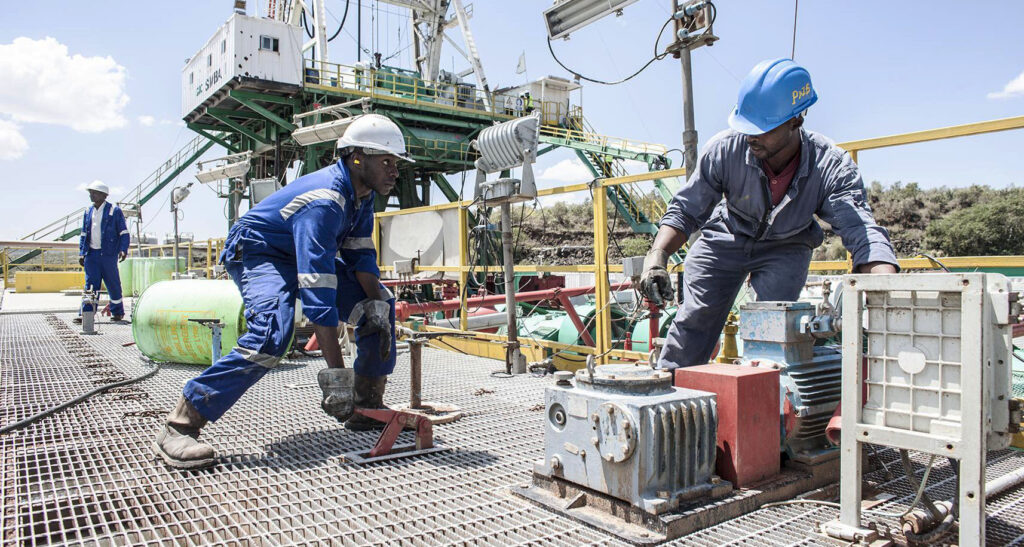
(396, 421)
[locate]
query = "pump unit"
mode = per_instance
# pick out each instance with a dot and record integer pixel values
(626, 432)
(782, 335)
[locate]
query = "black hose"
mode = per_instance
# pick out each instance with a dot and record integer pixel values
(49, 412)
(908, 468)
(342, 25)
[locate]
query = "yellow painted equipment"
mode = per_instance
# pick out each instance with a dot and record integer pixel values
(26, 282)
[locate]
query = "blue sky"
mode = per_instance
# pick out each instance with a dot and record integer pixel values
(100, 99)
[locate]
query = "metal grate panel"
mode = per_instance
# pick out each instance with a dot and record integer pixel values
(86, 475)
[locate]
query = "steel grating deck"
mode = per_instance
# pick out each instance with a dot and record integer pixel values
(87, 476)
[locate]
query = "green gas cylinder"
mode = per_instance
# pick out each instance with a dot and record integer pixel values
(161, 326)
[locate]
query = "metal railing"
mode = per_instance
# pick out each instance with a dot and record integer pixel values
(602, 271)
(407, 87)
(42, 261)
(603, 141)
(199, 255)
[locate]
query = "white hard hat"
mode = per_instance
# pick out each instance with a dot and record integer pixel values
(98, 186)
(375, 132)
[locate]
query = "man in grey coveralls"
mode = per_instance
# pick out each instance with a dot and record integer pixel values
(753, 195)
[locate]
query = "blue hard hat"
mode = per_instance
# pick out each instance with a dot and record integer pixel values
(776, 90)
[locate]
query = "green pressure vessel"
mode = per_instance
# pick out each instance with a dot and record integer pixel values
(160, 316)
(124, 271)
(147, 271)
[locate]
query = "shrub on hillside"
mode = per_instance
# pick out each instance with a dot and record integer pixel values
(991, 228)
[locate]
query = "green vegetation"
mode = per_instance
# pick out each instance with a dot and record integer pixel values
(974, 220)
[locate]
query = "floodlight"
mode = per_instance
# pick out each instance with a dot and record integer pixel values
(260, 189)
(504, 146)
(321, 132)
(235, 165)
(568, 15)
(331, 130)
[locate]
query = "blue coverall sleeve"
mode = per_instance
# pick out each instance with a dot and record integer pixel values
(82, 246)
(693, 203)
(846, 209)
(315, 229)
(123, 237)
(357, 250)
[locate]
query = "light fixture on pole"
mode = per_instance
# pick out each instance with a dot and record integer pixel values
(178, 195)
(568, 15)
(503, 147)
(330, 130)
(228, 167)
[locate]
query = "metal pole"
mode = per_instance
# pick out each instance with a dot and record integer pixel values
(415, 373)
(510, 290)
(174, 209)
(689, 127)
(359, 31)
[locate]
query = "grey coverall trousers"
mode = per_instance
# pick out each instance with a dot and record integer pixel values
(715, 269)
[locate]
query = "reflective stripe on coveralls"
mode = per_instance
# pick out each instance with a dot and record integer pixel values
(270, 323)
(100, 268)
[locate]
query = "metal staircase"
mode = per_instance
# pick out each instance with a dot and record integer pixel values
(604, 155)
(69, 225)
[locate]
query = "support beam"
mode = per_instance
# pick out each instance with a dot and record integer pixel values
(240, 128)
(223, 142)
(226, 112)
(265, 112)
(253, 96)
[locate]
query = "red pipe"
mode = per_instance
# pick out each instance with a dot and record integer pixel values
(404, 310)
(405, 282)
(575, 318)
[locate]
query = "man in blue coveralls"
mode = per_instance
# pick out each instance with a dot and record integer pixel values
(774, 177)
(103, 243)
(311, 238)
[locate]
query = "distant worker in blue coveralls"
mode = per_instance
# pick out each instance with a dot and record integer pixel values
(312, 238)
(103, 243)
(753, 195)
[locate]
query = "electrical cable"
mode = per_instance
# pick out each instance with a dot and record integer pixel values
(63, 406)
(796, 8)
(657, 57)
(912, 479)
(341, 25)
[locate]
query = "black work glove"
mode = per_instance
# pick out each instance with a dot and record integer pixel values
(377, 321)
(655, 283)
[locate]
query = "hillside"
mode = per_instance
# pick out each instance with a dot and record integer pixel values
(975, 220)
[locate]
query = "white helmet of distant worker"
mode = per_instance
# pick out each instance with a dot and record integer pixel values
(98, 186)
(375, 133)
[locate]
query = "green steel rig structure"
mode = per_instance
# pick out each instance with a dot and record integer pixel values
(262, 119)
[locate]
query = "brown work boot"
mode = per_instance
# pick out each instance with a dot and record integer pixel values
(367, 392)
(177, 442)
(336, 385)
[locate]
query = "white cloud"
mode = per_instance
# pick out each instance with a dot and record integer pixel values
(568, 170)
(147, 121)
(1013, 89)
(40, 82)
(12, 144)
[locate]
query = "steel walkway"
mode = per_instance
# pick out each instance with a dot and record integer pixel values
(86, 476)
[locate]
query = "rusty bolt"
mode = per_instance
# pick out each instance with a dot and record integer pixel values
(663, 494)
(583, 454)
(715, 479)
(609, 456)
(556, 464)
(625, 425)
(593, 441)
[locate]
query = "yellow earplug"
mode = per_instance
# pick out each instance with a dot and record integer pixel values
(355, 162)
